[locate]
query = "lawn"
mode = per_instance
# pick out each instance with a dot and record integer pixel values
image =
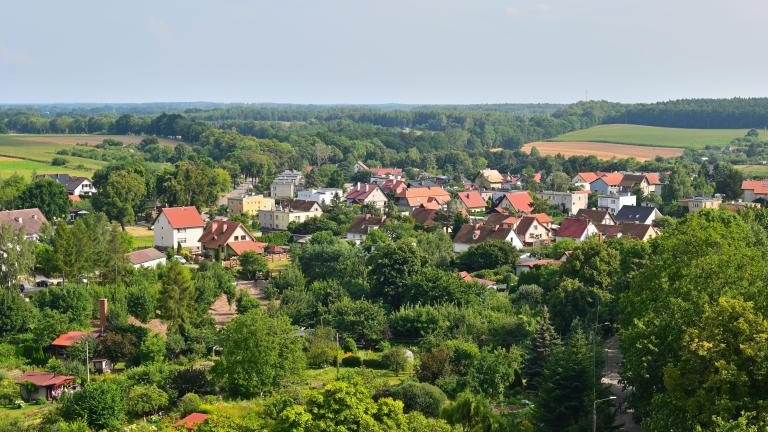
(30, 413)
(760, 171)
(141, 236)
(28, 168)
(654, 136)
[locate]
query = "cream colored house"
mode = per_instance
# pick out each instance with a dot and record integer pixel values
(569, 202)
(249, 204)
(298, 211)
(178, 226)
(700, 203)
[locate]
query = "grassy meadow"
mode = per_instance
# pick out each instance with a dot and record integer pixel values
(760, 171)
(654, 136)
(32, 154)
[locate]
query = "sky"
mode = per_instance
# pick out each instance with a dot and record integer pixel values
(381, 51)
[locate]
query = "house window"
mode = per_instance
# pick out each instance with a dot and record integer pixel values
(181, 230)
(183, 240)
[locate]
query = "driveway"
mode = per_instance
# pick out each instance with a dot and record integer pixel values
(612, 358)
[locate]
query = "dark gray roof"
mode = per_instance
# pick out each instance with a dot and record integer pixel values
(630, 213)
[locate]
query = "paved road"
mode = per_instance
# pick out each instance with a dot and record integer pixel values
(239, 190)
(612, 358)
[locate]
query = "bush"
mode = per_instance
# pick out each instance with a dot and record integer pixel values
(193, 381)
(100, 404)
(349, 345)
(352, 361)
(421, 397)
(189, 403)
(40, 401)
(372, 363)
(395, 360)
(58, 161)
(146, 399)
(322, 348)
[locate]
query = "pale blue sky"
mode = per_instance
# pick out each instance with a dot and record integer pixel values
(359, 51)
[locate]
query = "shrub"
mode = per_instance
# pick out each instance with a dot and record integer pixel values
(349, 345)
(100, 404)
(352, 361)
(322, 348)
(189, 403)
(194, 381)
(146, 399)
(40, 401)
(58, 161)
(421, 397)
(372, 363)
(396, 360)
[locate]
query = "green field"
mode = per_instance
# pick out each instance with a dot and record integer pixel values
(760, 171)
(654, 136)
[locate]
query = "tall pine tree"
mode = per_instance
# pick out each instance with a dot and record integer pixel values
(177, 298)
(545, 342)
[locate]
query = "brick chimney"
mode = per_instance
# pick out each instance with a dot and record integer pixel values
(103, 307)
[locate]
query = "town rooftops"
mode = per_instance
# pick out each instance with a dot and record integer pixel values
(424, 216)
(491, 175)
(385, 171)
(28, 220)
(573, 228)
(239, 247)
(144, 256)
(360, 191)
(760, 187)
(69, 182)
(466, 277)
(183, 217)
(630, 213)
(44, 379)
(362, 224)
(596, 216)
(68, 339)
(520, 201)
(298, 205)
(543, 218)
(502, 219)
(472, 199)
(474, 234)
(653, 178)
(219, 232)
(632, 180)
(425, 192)
(525, 224)
(589, 177)
(612, 179)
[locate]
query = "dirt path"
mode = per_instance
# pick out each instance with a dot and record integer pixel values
(612, 358)
(223, 312)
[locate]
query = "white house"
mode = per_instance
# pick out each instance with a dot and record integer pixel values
(613, 203)
(569, 202)
(470, 235)
(609, 183)
(297, 211)
(323, 196)
(179, 226)
(287, 184)
(637, 214)
(74, 185)
(146, 258)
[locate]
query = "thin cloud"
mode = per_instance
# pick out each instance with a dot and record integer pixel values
(158, 28)
(512, 11)
(13, 58)
(543, 8)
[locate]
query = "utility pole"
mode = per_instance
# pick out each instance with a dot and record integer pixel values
(87, 368)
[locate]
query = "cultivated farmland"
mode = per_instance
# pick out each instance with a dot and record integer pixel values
(653, 136)
(602, 150)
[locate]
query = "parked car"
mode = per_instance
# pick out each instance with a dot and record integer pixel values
(43, 283)
(180, 259)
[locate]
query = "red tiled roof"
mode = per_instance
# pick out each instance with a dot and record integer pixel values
(589, 177)
(425, 192)
(424, 216)
(360, 191)
(572, 228)
(44, 379)
(362, 224)
(466, 277)
(538, 262)
(68, 339)
(426, 202)
(760, 187)
(543, 218)
(537, 177)
(192, 421)
(385, 171)
(472, 200)
(612, 179)
(183, 217)
(653, 178)
(219, 233)
(395, 186)
(525, 224)
(238, 247)
(520, 201)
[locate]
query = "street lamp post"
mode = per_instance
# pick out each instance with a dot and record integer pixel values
(594, 411)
